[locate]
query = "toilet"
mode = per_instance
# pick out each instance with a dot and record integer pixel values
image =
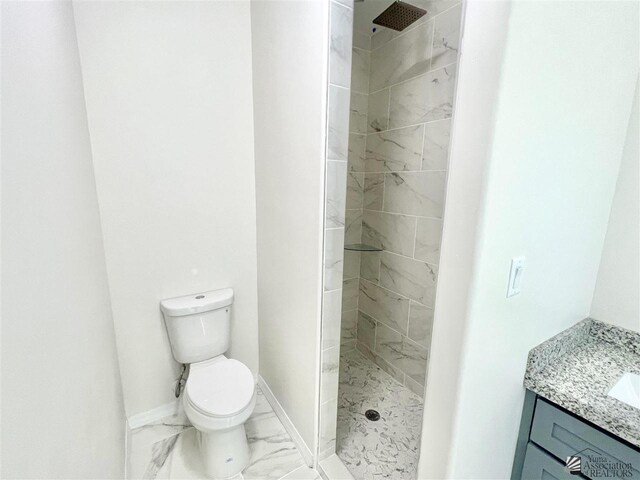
(219, 395)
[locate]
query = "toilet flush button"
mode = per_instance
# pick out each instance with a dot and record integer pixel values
(199, 297)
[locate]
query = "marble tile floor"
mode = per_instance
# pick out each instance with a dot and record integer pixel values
(388, 448)
(167, 450)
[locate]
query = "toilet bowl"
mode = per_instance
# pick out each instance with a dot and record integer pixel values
(219, 397)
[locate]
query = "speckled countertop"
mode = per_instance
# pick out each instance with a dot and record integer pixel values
(577, 368)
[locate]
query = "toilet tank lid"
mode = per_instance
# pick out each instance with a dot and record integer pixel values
(197, 302)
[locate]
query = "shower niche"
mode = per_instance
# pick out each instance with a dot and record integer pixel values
(400, 93)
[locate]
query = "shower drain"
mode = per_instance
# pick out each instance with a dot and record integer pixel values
(372, 415)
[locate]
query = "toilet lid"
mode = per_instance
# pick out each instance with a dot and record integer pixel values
(223, 388)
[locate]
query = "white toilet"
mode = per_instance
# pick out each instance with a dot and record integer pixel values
(219, 395)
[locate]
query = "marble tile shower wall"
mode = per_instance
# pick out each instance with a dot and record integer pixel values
(337, 148)
(360, 63)
(401, 105)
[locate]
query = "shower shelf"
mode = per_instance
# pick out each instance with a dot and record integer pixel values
(362, 247)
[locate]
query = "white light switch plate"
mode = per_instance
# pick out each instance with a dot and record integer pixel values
(515, 276)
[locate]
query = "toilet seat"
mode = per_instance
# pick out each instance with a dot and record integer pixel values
(222, 388)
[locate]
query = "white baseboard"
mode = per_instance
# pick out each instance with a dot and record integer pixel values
(153, 415)
(286, 421)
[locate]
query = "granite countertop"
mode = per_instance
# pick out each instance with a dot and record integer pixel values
(577, 368)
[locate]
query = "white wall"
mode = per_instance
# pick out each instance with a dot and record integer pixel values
(617, 296)
(169, 101)
(289, 80)
(553, 156)
(62, 412)
(470, 154)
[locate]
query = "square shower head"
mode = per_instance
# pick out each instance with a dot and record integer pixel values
(399, 15)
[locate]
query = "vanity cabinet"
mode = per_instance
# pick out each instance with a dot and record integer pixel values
(539, 464)
(549, 435)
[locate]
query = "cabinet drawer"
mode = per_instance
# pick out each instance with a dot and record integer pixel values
(563, 435)
(539, 465)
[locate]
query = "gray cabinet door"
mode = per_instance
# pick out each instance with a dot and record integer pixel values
(539, 465)
(563, 435)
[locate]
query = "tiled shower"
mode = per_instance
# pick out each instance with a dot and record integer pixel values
(390, 212)
(402, 87)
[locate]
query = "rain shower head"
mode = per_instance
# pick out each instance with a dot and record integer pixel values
(399, 15)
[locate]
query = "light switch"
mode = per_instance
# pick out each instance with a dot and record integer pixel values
(515, 276)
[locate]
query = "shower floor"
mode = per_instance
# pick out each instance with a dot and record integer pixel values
(389, 447)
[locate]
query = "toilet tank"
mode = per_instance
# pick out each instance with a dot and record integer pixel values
(198, 325)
